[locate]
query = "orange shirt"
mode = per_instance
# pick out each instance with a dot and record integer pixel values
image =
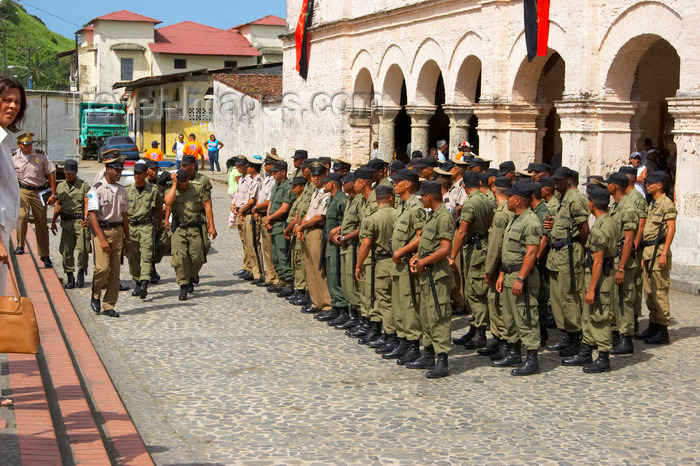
(154, 154)
(193, 148)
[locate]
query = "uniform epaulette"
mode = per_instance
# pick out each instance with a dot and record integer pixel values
(97, 185)
(39, 151)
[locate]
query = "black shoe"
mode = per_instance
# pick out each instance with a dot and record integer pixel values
(615, 338)
(286, 292)
(95, 305)
(183, 293)
(601, 364)
(310, 309)
(155, 278)
(352, 321)
(137, 289)
(143, 291)
(70, 284)
(239, 273)
(380, 341)
(330, 315)
(257, 281)
(425, 361)
(441, 369)
(411, 354)
(296, 294)
(561, 344)
(398, 350)
(264, 284)
(466, 337)
(190, 286)
(247, 276)
(490, 349)
(660, 338)
(502, 352)
(574, 346)
(47, 262)
(529, 367)
(375, 331)
(19, 251)
(625, 346)
(392, 342)
(80, 282)
(195, 280)
(302, 300)
(123, 287)
(274, 288)
(343, 316)
(649, 332)
(479, 341)
(111, 313)
(513, 358)
(581, 358)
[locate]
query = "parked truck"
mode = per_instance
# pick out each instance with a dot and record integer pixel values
(98, 121)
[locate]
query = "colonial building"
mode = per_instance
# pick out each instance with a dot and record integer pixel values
(264, 34)
(401, 71)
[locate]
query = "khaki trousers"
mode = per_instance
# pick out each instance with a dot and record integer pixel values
(404, 306)
(316, 279)
(266, 241)
(107, 266)
(241, 232)
(566, 306)
(656, 296)
(253, 244)
(29, 199)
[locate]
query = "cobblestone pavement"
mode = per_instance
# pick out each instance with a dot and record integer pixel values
(234, 376)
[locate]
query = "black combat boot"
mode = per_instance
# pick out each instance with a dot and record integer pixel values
(660, 338)
(143, 292)
(137, 289)
(374, 332)
(331, 315)
(441, 369)
(274, 288)
(258, 281)
(466, 337)
(247, 275)
(425, 361)
(80, 282)
(296, 294)
(651, 330)
(574, 346)
(411, 354)
(398, 350)
(561, 344)
(601, 364)
(544, 335)
(352, 321)
(70, 284)
(581, 358)
(492, 348)
(626, 346)
(392, 341)
(513, 358)
(615, 337)
(479, 341)
(362, 327)
(502, 352)
(190, 286)
(183, 293)
(529, 367)
(380, 341)
(155, 278)
(341, 319)
(286, 291)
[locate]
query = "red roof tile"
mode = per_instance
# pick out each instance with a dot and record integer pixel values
(263, 87)
(269, 20)
(125, 15)
(189, 38)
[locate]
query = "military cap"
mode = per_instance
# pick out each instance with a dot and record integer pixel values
(619, 179)
(299, 180)
(269, 159)
(71, 166)
(272, 156)
(334, 177)
(307, 162)
(339, 164)
(416, 154)
(325, 160)
(476, 162)
(182, 175)
(594, 179)
(503, 182)
(628, 170)
(440, 172)
(468, 156)
(547, 181)
(561, 173)
(300, 154)
(507, 166)
(462, 162)
(406, 174)
(539, 167)
(112, 158)
(163, 178)
(471, 180)
(447, 165)
(636, 155)
(140, 167)
(188, 159)
(349, 178)
(238, 160)
(317, 168)
(376, 164)
(483, 178)
(279, 166)
(521, 188)
(658, 177)
(574, 176)
(519, 174)
(429, 162)
(430, 187)
(598, 194)
(492, 172)
(364, 173)
(26, 138)
(396, 165)
(254, 160)
(151, 164)
(383, 190)
(155, 144)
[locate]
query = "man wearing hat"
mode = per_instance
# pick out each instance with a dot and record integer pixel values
(145, 211)
(601, 249)
(568, 233)
(659, 230)
(394, 167)
(431, 264)
(261, 209)
(507, 168)
(162, 246)
(35, 173)
(154, 153)
(476, 216)
(380, 179)
(539, 171)
(298, 158)
(203, 186)
(295, 258)
(427, 167)
(247, 216)
(549, 194)
(518, 281)
(464, 149)
(244, 184)
(341, 166)
(71, 199)
(107, 207)
(539, 208)
(310, 233)
(281, 199)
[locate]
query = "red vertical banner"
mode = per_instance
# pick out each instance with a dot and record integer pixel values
(301, 38)
(542, 27)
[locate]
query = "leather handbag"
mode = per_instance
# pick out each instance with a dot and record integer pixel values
(18, 329)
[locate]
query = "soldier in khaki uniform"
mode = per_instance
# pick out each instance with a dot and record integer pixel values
(145, 210)
(299, 157)
(477, 213)
(518, 281)
(244, 184)
(298, 186)
(261, 210)
(281, 199)
(431, 263)
(162, 246)
(659, 230)
(549, 194)
(248, 216)
(601, 249)
(539, 208)
(107, 208)
(35, 173)
(71, 200)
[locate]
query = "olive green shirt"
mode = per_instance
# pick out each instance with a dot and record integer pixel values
(305, 200)
(477, 210)
(379, 227)
(626, 218)
(640, 203)
(142, 203)
(410, 219)
(501, 219)
(203, 185)
(523, 231)
(660, 211)
(351, 220)
(188, 206)
(572, 211)
(281, 194)
(438, 226)
(603, 237)
(335, 211)
(72, 199)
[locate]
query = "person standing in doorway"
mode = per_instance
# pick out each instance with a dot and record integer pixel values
(213, 146)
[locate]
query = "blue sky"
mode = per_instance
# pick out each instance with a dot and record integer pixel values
(67, 16)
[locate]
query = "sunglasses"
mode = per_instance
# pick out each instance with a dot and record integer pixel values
(26, 143)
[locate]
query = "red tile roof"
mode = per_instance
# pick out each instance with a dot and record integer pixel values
(269, 20)
(262, 87)
(125, 15)
(189, 38)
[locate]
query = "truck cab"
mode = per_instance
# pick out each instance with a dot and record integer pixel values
(98, 122)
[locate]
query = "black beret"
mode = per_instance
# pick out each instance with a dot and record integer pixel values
(539, 167)
(71, 166)
(396, 165)
(628, 170)
(406, 174)
(561, 173)
(187, 159)
(483, 178)
(279, 166)
(521, 188)
(619, 179)
(658, 177)
(300, 154)
(503, 182)
(430, 187)
(299, 180)
(492, 172)
(471, 180)
(182, 175)
(476, 162)
(349, 178)
(364, 173)
(334, 177)
(507, 166)
(598, 194)
(547, 181)
(376, 164)
(140, 167)
(383, 190)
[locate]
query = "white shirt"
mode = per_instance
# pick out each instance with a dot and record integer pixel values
(9, 188)
(179, 146)
(639, 186)
(375, 154)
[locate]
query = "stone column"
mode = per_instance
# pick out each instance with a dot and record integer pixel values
(360, 148)
(507, 131)
(459, 125)
(387, 116)
(686, 136)
(635, 128)
(540, 122)
(419, 127)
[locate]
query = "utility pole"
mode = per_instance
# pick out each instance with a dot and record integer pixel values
(29, 50)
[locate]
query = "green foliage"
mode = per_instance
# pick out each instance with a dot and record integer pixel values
(22, 30)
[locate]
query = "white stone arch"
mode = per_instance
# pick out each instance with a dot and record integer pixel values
(363, 59)
(428, 62)
(393, 69)
(363, 93)
(461, 76)
(628, 39)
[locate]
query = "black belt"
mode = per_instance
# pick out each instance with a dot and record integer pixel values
(511, 268)
(198, 223)
(381, 257)
(110, 224)
(33, 188)
(72, 217)
(475, 240)
(646, 244)
(141, 221)
(560, 243)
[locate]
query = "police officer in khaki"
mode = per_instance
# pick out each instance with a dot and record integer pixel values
(35, 173)
(518, 281)
(261, 209)
(659, 230)
(107, 208)
(431, 263)
(145, 210)
(71, 202)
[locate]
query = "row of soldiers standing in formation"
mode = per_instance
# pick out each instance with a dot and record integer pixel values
(388, 258)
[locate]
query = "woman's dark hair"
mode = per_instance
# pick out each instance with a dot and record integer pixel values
(10, 83)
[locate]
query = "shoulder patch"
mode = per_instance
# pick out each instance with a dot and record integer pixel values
(448, 227)
(535, 230)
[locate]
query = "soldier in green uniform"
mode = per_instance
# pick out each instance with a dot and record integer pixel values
(601, 249)
(518, 281)
(659, 230)
(203, 186)
(568, 233)
(549, 194)
(431, 263)
(162, 246)
(539, 207)
(145, 208)
(405, 292)
(477, 213)
(187, 204)
(298, 159)
(498, 349)
(281, 200)
(299, 272)
(624, 293)
(71, 200)
(334, 218)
